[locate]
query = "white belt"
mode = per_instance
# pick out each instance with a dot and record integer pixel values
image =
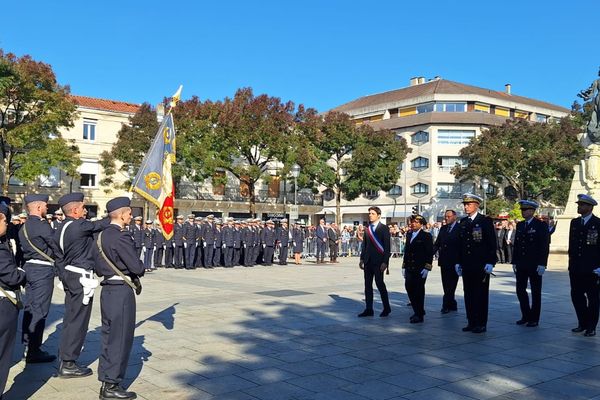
(118, 278)
(81, 271)
(87, 281)
(10, 293)
(42, 262)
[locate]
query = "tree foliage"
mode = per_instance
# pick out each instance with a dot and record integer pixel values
(33, 109)
(536, 159)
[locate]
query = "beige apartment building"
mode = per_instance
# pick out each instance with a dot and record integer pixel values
(437, 118)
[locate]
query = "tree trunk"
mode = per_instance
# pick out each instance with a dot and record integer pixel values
(252, 205)
(5, 178)
(338, 206)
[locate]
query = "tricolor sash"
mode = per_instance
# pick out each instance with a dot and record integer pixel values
(374, 240)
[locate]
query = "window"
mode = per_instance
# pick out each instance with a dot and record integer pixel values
(451, 136)
(521, 114)
(89, 129)
(503, 112)
(404, 112)
(449, 190)
(89, 174)
(480, 107)
(420, 163)
(450, 107)
(420, 189)
(52, 179)
(274, 184)
(424, 108)
(419, 138)
(371, 194)
(447, 163)
(541, 118)
(395, 191)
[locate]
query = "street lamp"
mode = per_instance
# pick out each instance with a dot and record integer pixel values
(485, 183)
(295, 173)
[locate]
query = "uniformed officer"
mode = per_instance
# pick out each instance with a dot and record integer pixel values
(159, 246)
(283, 239)
(50, 220)
(530, 257)
(178, 242)
(208, 241)
(148, 245)
(237, 243)
(268, 241)
(247, 240)
(218, 243)
(189, 233)
(298, 242)
(75, 262)
(322, 240)
(12, 279)
(137, 233)
(60, 218)
(476, 260)
(446, 245)
(228, 233)
(584, 265)
(39, 252)
(169, 251)
(118, 264)
(418, 256)
(198, 234)
(259, 245)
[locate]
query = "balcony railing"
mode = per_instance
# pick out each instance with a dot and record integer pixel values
(191, 192)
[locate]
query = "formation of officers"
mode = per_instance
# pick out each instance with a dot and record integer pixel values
(467, 249)
(209, 242)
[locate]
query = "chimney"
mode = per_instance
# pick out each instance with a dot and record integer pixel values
(507, 88)
(414, 81)
(421, 80)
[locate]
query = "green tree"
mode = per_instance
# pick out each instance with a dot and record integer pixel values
(351, 159)
(536, 159)
(33, 109)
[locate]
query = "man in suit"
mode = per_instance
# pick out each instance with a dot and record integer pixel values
(418, 256)
(334, 240)
(374, 260)
(500, 237)
(509, 242)
(322, 239)
(446, 244)
(476, 260)
(532, 245)
(584, 265)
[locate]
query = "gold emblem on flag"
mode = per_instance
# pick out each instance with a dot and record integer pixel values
(167, 215)
(152, 181)
(167, 135)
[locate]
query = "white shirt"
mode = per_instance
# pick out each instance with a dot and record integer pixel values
(414, 235)
(586, 219)
(473, 216)
(374, 224)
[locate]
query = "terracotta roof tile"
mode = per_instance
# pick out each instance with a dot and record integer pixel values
(104, 104)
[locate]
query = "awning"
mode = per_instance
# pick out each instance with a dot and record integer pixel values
(326, 210)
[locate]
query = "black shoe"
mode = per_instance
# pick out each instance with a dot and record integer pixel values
(38, 357)
(467, 328)
(68, 369)
(445, 310)
(578, 329)
(385, 313)
(114, 391)
(522, 321)
(366, 313)
(479, 329)
(416, 320)
(532, 324)
(590, 332)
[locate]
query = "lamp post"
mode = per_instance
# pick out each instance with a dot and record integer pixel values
(485, 183)
(295, 173)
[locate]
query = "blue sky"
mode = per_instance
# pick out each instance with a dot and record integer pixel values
(320, 53)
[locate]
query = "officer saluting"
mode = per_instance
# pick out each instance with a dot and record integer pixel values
(584, 265)
(117, 262)
(11, 279)
(39, 252)
(75, 262)
(530, 257)
(476, 260)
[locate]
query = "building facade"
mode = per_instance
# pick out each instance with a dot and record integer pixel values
(437, 118)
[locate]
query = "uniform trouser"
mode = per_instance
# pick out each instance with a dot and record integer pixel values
(229, 256)
(449, 282)
(321, 247)
(268, 253)
(524, 274)
(500, 254)
(117, 307)
(138, 251)
(76, 318)
(333, 251)
(148, 257)
(370, 272)
(9, 314)
(283, 255)
(509, 253)
(190, 252)
(237, 259)
(584, 295)
(248, 253)
(158, 256)
(257, 248)
(217, 257)
(209, 252)
(178, 260)
(415, 288)
(39, 288)
(169, 256)
(476, 285)
(198, 257)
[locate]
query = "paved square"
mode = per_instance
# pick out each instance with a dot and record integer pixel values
(292, 333)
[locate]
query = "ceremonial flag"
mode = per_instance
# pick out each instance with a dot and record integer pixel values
(154, 180)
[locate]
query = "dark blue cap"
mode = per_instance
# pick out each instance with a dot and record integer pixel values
(117, 202)
(6, 211)
(30, 198)
(5, 200)
(70, 198)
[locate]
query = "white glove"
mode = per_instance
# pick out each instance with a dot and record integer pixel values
(541, 269)
(244, 245)
(458, 269)
(185, 245)
(597, 271)
(404, 273)
(264, 245)
(489, 268)
(60, 286)
(514, 268)
(203, 244)
(294, 244)
(154, 247)
(21, 269)
(424, 273)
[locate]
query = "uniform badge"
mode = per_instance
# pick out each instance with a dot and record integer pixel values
(592, 237)
(477, 234)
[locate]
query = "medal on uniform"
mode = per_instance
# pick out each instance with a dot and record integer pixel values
(592, 237)
(477, 234)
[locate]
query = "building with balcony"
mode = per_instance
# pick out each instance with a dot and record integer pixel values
(437, 118)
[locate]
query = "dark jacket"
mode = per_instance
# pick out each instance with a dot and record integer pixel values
(477, 241)
(117, 246)
(11, 278)
(137, 233)
(369, 254)
(447, 244)
(40, 234)
(78, 243)
(418, 253)
(584, 245)
(178, 231)
(531, 244)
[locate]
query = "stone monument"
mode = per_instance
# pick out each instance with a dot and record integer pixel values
(586, 177)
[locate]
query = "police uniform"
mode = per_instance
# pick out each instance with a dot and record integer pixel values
(268, 241)
(530, 257)
(159, 247)
(148, 245)
(418, 256)
(137, 233)
(39, 266)
(117, 303)
(178, 242)
(228, 233)
(208, 238)
(298, 239)
(198, 235)
(584, 268)
(169, 251)
(258, 242)
(237, 243)
(11, 280)
(75, 262)
(283, 238)
(189, 233)
(447, 246)
(247, 242)
(477, 257)
(218, 243)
